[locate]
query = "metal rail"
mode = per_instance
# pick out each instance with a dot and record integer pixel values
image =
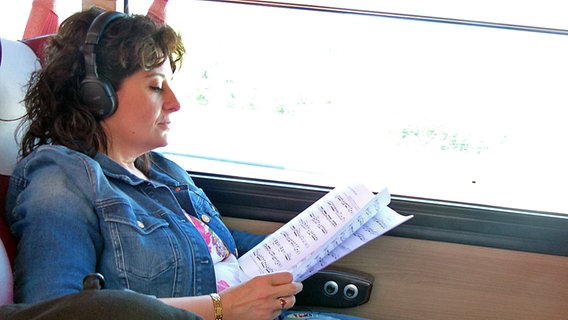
(374, 13)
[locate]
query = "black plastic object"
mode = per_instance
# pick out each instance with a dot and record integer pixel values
(336, 287)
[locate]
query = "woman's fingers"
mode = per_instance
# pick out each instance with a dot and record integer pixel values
(279, 278)
(283, 282)
(265, 296)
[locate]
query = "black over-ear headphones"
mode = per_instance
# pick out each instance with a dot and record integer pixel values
(95, 92)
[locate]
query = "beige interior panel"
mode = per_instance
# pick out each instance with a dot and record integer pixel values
(421, 279)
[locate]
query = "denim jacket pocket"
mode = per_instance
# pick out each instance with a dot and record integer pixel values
(143, 245)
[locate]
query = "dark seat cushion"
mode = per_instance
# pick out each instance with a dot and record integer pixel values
(97, 304)
(5, 234)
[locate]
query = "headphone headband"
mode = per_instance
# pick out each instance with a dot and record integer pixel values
(99, 24)
(95, 92)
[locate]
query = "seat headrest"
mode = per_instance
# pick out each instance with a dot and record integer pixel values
(17, 62)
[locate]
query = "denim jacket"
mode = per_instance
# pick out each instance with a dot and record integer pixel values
(73, 214)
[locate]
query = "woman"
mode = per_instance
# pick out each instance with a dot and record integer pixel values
(89, 195)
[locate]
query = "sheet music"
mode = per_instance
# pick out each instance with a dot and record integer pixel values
(310, 231)
(384, 220)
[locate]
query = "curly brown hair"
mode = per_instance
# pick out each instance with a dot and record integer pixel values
(55, 114)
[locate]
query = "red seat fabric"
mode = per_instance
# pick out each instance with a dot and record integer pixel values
(42, 19)
(6, 281)
(9, 243)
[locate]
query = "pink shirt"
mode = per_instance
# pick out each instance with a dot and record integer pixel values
(227, 270)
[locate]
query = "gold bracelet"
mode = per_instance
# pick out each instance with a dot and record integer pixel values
(217, 306)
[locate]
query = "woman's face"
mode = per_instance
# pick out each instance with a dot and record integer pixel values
(141, 121)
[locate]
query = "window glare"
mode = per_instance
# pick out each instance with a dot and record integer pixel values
(434, 110)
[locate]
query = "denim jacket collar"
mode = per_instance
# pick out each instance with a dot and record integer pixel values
(114, 170)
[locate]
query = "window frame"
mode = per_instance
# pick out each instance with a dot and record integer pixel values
(384, 14)
(444, 221)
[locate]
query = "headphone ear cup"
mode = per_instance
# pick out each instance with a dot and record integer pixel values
(95, 92)
(98, 96)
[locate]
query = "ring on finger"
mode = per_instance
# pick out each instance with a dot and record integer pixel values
(283, 302)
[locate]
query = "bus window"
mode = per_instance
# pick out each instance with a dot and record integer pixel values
(433, 99)
(460, 110)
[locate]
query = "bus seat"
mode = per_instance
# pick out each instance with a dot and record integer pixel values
(37, 44)
(17, 62)
(42, 19)
(157, 10)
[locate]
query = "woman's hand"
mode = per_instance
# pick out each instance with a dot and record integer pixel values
(262, 297)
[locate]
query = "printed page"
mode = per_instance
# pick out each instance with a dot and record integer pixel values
(308, 232)
(371, 209)
(384, 220)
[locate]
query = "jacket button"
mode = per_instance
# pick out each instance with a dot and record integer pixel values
(205, 218)
(177, 189)
(140, 224)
